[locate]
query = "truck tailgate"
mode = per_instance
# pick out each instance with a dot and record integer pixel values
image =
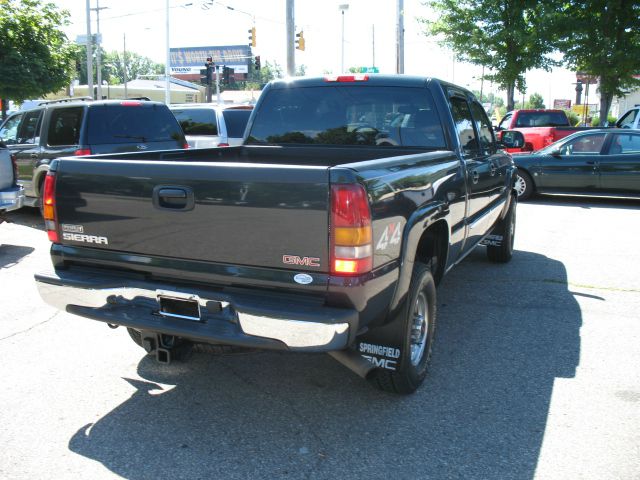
(235, 213)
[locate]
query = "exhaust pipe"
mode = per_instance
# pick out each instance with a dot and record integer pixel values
(354, 362)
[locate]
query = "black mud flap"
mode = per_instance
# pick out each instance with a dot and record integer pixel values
(383, 345)
(492, 240)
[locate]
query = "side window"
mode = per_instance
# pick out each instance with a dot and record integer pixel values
(9, 131)
(625, 144)
(29, 127)
(505, 122)
(483, 127)
(586, 145)
(627, 120)
(464, 125)
(64, 126)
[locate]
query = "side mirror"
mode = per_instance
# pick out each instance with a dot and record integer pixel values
(555, 152)
(512, 139)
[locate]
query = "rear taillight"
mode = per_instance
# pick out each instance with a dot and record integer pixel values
(49, 206)
(351, 244)
(185, 145)
(223, 144)
(14, 163)
(81, 152)
(131, 103)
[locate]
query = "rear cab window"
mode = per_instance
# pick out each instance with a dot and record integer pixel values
(236, 121)
(197, 121)
(131, 122)
(348, 115)
(542, 119)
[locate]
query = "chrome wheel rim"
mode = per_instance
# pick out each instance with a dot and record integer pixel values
(419, 328)
(521, 186)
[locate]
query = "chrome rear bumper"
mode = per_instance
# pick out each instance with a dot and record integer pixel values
(246, 319)
(11, 199)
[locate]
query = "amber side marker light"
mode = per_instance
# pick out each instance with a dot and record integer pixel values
(49, 207)
(351, 238)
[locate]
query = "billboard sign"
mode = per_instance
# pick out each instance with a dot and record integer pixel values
(189, 60)
(562, 104)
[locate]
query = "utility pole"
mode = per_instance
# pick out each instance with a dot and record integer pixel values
(167, 68)
(124, 62)
(373, 45)
(291, 52)
(218, 85)
(400, 36)
(98, 54)
(343, 8)
(89, 52)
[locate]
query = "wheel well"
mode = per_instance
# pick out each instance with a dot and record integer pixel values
(434, 244)
(521, 169)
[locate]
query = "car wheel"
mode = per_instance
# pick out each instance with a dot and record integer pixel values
(506, 230)
(524, 185)
(419, 325)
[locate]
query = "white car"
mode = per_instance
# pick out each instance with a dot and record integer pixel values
(208, 125)
(631, 119)
(11, 194)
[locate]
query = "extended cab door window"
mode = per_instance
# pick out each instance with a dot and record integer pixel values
(464, 125)
(483, 127)
(628, 119)
(505, 122)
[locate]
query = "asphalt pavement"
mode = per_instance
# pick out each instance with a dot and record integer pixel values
(535, 375)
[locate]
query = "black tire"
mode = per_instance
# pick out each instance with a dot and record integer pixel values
(413, 367)
(135, 335)
(507, 230)
(524, 185)
(41, 195)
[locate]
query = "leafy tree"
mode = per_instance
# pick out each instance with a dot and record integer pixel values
(489, 98)
(258, 79)
(508, 37)
(602, 39)
(114, 63)
(35, 55)
(535, 101)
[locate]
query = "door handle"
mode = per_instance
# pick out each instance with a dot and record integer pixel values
(34, 155)
(167, 197)
(475, 176)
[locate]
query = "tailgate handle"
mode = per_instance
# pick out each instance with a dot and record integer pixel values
(166, 197)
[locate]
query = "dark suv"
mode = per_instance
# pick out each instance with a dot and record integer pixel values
(64, 128)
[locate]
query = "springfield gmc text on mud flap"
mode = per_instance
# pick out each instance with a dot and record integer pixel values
(327, 231)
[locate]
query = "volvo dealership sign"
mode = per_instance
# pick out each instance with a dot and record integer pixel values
(189, 60)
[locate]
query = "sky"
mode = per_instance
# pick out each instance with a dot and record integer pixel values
(369, 36)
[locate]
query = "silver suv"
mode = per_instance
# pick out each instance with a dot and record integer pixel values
(207, 125)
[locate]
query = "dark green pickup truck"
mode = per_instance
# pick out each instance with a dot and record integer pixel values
(327, 231)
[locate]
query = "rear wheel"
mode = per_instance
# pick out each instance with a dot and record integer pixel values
(419, 328)
(524, 185)
(506, 229)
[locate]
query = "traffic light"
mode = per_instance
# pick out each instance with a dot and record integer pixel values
(300, 40)
(257, 63)
(252, 37)
(227, 75)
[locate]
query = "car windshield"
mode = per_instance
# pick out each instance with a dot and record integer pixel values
(236, 122)
(115, 123)
(348, 115)
(197, 121)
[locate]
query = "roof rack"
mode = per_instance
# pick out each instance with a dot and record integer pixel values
(69, 99)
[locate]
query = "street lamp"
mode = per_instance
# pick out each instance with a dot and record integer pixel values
(343, 8)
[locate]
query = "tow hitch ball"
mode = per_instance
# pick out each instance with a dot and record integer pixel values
(160, 344)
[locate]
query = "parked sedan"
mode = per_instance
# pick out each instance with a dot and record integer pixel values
(207, 125)
(602, 162)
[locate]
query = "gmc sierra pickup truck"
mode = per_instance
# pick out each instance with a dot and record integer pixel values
(327, 231)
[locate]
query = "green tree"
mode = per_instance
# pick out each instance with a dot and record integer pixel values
(602, 39)
(35, 56)
(508, 37)
(136, 65)
(535, 101)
